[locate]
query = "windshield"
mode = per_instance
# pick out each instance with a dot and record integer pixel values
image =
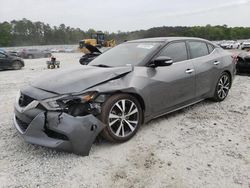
(126, 53)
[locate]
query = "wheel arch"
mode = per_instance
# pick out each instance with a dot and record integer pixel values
(22, 63)
(17, 61)
(140, 99)
(230, 76)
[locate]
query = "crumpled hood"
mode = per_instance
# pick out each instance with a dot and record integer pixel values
(78, 79)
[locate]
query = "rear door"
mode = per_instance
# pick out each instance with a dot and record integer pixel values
(207, 65)
(175, 84)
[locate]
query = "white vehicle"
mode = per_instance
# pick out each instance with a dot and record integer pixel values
(245, 45)
(54, 50)
(69, 50)
(230, 45)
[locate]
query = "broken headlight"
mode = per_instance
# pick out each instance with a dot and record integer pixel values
(63, 101)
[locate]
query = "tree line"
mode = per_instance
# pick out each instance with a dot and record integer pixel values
(25, 32)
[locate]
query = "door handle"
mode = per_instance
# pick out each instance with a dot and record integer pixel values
(216, 62)
(189, 71)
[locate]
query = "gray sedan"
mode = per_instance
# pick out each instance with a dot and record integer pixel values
(120, 90)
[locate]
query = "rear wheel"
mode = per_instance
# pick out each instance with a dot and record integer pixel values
(222, 87)
(122, 114)
(17, 65)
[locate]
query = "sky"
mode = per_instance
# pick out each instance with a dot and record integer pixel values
(129, 15)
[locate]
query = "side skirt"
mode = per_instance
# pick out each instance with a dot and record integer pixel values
(174, 110)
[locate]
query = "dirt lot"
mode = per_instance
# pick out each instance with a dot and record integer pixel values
(205, 145)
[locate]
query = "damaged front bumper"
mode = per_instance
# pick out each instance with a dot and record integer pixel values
(59, 130)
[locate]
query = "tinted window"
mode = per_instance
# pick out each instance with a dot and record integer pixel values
(210, 48)
(198, 49)
(177, 51)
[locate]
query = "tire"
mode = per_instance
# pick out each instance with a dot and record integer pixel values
(51, 66)
(121, 127)
(58, 66)
(222, 87)
(30, 56)
(16, 65)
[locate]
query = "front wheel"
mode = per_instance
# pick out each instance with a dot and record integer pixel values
(17, 65)
(122, 114)
(222, 87)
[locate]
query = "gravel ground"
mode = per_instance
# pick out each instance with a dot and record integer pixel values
(205, 145)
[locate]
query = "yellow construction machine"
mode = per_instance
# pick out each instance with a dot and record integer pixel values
(97, 40)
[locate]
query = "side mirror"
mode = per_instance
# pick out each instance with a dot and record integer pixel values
(162, 61)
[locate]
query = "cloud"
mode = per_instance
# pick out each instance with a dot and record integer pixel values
(113, 15)
(206, 10)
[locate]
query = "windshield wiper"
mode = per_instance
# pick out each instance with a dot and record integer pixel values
(101, 65)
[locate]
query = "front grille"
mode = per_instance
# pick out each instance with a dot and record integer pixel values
(24, 100)
(23, 126)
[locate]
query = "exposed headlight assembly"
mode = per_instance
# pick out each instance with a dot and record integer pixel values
(60, 103)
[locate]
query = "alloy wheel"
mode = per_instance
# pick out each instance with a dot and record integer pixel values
(123, 118)
(223, 86)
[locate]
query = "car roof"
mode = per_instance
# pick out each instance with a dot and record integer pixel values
(167, 39)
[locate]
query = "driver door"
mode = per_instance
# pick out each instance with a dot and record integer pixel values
(173, 86)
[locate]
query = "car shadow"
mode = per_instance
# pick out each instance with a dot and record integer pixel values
(179, 112)
(243, 74)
